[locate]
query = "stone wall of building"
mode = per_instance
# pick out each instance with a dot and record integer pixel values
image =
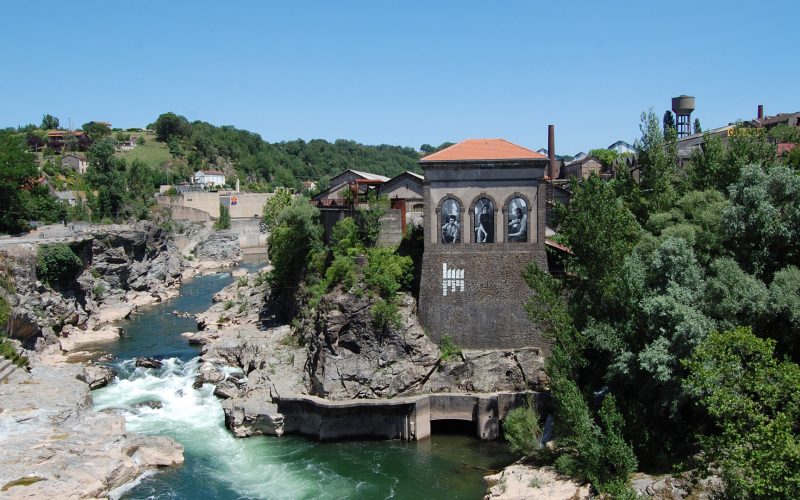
(475, 292)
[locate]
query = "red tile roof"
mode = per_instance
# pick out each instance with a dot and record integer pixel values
(484, 150)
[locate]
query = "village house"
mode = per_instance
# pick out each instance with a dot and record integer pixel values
(75, 161)
(209, 178)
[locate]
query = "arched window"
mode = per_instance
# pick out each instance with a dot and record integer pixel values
(451, 221)
(484, 221)
(517, 220)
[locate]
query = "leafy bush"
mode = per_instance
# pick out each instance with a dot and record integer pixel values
(369, 221)
(275, 205)
(57, 263)
(385, 315)
(345, 239)
(448, 348)
(5, 311)
(8, 351)
(342, 270)
(242, 281)
(227, 305)
(522, 430)
(387, 272)
(98, 291)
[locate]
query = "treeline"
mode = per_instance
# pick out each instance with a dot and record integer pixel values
(676, 327)
(262, 165)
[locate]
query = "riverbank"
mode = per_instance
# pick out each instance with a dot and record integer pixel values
(54, 444)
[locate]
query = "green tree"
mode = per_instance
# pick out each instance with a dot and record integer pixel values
(657, 162)
(224, 221)
(107, 175)
(49, 122)
(600, 231)
(697, 128)
(707, 167)
(295, 234)
(754, 401)
(17, 170)
(169, 125)
(668, 121)
(784, 133)
(96, 130)
(275, 205)
(762, 225)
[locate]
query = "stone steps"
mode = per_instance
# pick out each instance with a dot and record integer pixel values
(7, 367)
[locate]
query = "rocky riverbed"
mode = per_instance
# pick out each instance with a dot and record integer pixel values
(54, 445)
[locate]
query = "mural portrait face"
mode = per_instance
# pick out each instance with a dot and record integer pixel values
(484, 221)
(517, 220)
(451, 221)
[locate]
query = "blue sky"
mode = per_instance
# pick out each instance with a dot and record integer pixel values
(399, 72)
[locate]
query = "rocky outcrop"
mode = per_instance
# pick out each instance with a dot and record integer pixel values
(122, 270)
(55, 446)
(340, 355)
(98, 375)
(349, 358)
(519, 481)
(221, 247)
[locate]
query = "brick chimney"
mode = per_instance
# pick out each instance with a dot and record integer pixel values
(551, 150)
(760, 112)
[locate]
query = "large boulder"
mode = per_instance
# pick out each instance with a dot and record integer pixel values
(221, 246)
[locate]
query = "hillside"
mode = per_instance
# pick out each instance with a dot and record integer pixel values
(260, 164)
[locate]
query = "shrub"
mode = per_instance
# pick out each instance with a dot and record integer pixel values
(227, 305)
(448, 348)
(5, 311)
(8, 351)
(344, 238)
(98, 291)
(522, 429)
(387, 272)
(57, 263)
(342, 270)
(242, 281)
(385, 315)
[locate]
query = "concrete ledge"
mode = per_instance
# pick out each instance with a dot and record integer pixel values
(406, 418)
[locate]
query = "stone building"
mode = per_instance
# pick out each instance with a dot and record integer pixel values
(484, 211)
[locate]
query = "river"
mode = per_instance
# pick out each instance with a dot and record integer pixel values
(220, 466)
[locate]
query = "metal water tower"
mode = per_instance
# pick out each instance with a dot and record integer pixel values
(682, 106)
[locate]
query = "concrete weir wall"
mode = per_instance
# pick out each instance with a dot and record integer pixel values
(408, 418)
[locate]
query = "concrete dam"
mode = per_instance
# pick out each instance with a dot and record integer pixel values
(407, 418)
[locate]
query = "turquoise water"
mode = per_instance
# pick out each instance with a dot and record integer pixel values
(220, 466)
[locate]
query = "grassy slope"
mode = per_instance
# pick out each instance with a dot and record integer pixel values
(153, 153)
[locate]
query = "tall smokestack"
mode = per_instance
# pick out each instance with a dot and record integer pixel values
(551, 150)
(760, 112)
